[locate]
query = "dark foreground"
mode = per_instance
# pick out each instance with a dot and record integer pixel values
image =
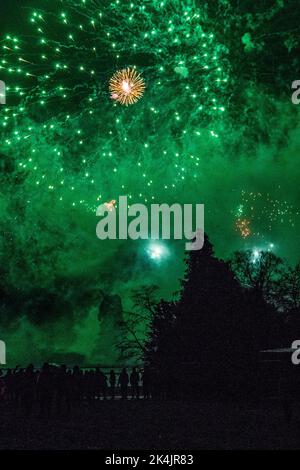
(150, 424)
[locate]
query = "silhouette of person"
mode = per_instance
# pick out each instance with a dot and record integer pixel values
(134, 382)
(146, 381)
(63, 390)
(28, 390)
(101, 383)
(2, 387)
(104, 386)
(76, 386)
(9, 383)
(17, 385)
(112, 383)
(45, 390)
(123, 382)
(89, 386)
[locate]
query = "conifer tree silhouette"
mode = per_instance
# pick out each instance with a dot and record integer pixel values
(207, 342)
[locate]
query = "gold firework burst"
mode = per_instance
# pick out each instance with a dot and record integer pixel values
(126, 86)
(243, 226)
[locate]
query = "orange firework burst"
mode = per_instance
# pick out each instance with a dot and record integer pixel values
(243, 226)
(126, 86)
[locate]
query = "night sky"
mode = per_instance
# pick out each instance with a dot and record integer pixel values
(215, 125)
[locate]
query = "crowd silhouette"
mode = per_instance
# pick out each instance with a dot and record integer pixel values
(59, 389)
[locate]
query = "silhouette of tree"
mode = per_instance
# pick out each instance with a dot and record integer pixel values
(288, 302)
(259, 271)
(162, 340)
(288, 290)
(261, 274)
(207, 341)
(136, 323)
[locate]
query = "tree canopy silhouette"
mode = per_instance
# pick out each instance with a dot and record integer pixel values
(209, 339)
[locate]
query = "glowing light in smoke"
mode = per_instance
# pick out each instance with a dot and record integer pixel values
(255, 255)
(156, 252)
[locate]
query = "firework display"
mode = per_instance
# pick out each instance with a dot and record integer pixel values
(263, 208)
(126, 86)
(62, 124)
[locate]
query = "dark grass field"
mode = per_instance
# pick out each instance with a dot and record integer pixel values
(153, 425)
